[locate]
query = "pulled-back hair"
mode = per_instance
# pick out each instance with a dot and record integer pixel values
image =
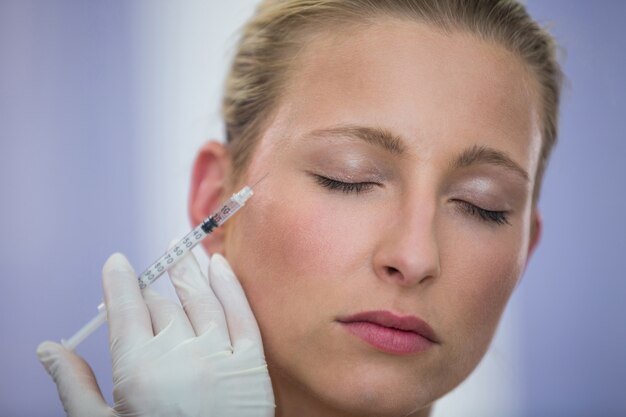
(272, 38)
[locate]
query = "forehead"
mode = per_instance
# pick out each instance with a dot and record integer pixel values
(426, 85)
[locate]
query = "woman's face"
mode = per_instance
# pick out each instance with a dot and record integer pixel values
(401, 166)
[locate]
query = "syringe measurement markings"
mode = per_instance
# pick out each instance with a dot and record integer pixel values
(171, 256)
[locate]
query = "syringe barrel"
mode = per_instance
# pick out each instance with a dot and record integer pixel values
(169, 258)
(194, 237)
(232, 206)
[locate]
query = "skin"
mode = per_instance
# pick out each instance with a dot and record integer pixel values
(407, 242)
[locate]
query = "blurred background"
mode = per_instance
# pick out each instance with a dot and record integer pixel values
(103, 105)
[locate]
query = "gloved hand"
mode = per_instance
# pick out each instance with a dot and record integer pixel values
(205, 359)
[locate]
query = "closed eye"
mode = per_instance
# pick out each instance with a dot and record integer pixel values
(343, 186)
(492, 216)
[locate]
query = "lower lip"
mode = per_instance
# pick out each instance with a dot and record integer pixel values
(387, 339)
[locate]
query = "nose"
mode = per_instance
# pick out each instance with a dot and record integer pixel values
(408, 252)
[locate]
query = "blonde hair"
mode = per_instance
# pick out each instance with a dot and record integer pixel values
(275, 33)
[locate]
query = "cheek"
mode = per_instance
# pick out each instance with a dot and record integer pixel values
(493, 281)
(481, 275)
(291, 255)
(302, 238)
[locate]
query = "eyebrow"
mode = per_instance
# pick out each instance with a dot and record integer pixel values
(373, 135)
(394, 144)
(484, 154)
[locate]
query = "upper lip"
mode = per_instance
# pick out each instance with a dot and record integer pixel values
(394, 321)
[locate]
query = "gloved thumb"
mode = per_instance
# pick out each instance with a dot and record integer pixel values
(76, 383)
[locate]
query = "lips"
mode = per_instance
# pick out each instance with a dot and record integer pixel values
(390, 333)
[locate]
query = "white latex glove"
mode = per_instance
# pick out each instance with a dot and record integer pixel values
(206, 360)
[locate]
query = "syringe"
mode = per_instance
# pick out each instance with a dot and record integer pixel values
(168, 259)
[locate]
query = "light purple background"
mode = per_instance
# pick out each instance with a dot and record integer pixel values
(70, 197)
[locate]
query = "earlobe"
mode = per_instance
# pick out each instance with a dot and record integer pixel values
(208, 186)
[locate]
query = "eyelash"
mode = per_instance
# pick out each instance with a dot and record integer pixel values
(492, 216)
(345, 187)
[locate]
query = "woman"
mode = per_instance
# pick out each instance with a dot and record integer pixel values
(405, 142)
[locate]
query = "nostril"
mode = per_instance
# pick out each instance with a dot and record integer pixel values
(391, 270)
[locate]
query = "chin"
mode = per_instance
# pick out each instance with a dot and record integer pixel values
(382, 403)
(379, 392)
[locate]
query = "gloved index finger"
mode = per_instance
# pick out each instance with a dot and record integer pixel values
(127, 313)
(200, 303)
(242, 325)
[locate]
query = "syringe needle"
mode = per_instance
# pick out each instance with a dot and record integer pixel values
(262, 178)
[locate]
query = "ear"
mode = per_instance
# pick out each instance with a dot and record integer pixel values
(208, 186)
(536, 229)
